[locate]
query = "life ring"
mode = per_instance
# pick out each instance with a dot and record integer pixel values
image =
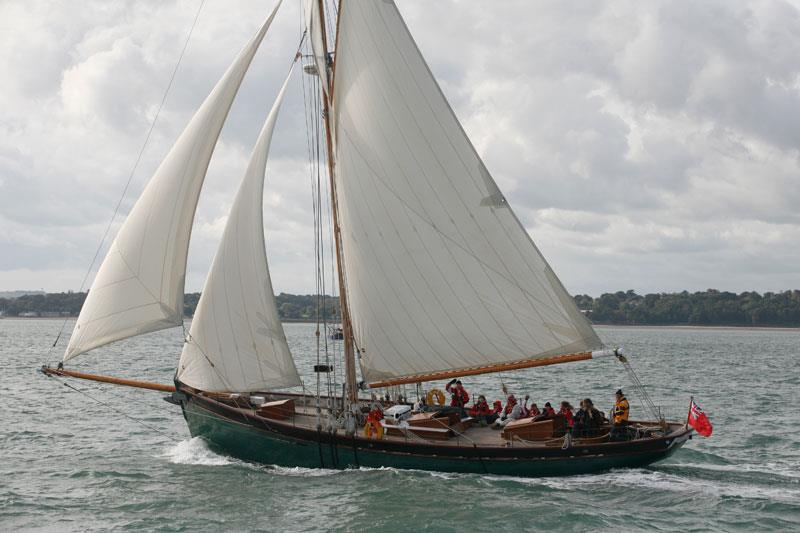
(439, 395)
(373, 426)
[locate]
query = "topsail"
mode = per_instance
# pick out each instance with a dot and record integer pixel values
(140, 284)
(440, 273)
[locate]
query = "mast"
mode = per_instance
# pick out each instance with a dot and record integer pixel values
(351, 388)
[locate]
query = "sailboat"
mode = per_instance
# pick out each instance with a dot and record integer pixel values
(437, 279)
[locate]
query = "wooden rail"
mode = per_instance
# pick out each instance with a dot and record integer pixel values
(108, 379)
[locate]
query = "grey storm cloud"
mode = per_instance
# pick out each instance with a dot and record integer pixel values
(645, 145)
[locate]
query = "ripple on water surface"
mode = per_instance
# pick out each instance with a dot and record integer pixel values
(73, 465)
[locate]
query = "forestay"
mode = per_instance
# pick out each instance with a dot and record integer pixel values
(139, 286)
(236, 341)
(440, 274)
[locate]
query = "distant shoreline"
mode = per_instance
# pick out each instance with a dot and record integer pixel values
(685, 326)
(601, 326)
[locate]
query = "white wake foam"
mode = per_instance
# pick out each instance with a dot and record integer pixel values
(770, 468)
(653, 480)
(195, 451)
(299, 471)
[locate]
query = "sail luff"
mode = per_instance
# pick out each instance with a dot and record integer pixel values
(441, 275)
(236, 341)
(139, 286)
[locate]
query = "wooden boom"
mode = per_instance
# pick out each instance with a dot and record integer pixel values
(108, 379)
(487, 369)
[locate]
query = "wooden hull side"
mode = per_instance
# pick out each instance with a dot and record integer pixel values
(264, 441)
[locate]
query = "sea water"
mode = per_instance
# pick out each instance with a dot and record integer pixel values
(115, 458)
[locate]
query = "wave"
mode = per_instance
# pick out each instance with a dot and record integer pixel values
(770, 468)
(663, 481)
(195, 451)
(299, 471)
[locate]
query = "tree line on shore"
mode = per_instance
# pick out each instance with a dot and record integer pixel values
(290, 306)
(707, 308)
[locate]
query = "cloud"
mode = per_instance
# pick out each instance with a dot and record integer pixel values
(651, 146)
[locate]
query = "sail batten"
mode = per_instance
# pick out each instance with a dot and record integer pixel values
(139, 287)
(236, 341)
(441, 275)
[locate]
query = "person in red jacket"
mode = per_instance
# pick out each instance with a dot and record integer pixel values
(481, 411)
(566, 410)
(480, 407)
(547, 412)
(458, 394)
(497, 407)
(512, 411)
(534, 411)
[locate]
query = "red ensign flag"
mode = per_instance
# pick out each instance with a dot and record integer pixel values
(699, 421)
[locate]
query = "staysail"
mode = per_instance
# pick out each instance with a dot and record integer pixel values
(441, 275)
(139, 286)
(236, 341)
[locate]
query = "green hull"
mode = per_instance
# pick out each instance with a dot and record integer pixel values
(279, 446)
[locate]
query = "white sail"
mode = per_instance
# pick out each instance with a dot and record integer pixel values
(139, 286)
(314, 29)
(236, 341)
(440, 273)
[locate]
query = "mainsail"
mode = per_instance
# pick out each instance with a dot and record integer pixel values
(236, 341)
(140, 284)
(441, 275)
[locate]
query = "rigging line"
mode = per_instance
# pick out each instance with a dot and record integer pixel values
(118, 411)
(643, 396)
(135, 164)
(188, 339)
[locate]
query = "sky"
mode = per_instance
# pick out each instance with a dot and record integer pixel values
(652, 146)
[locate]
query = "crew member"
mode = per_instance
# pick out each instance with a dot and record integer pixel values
(566, 410)
(547, 413)
(512, 411)
(620, 417)
(481, 411)
(374, 420)
(580, 422)
(458, 394)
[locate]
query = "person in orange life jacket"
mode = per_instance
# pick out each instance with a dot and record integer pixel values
(374, 416)
(512, 411)
(458, 394)
(375, 413)
(534, 411)
(619, 416)
(566, 410)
